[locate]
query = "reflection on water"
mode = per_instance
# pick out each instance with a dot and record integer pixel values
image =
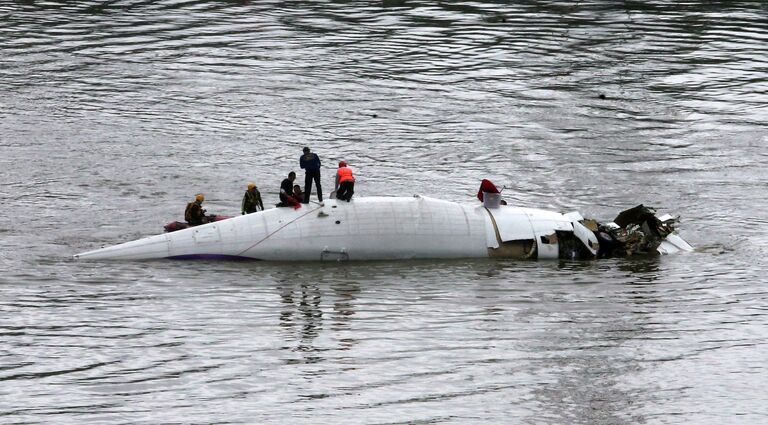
(114, 112)
(345, 295)
(302, 317)
(645, 270)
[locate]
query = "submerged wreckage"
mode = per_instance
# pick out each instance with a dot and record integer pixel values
(393, 228)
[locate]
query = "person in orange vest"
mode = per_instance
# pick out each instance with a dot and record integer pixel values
(345, 182)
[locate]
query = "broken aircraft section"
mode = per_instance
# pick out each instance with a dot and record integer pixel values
(634, 232)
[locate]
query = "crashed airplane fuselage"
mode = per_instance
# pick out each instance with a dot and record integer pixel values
(394, 228)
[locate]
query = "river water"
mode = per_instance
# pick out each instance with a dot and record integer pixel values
(114, 114)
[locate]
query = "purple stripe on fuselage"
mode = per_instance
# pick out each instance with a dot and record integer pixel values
(217, 257)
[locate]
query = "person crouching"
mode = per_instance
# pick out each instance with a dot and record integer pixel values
(286, 192)
(345, 182)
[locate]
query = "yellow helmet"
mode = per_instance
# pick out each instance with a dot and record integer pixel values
(251, 185)
(200, 197)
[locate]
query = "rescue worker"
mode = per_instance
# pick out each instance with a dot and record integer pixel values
(345, 182)
(251, 200)
(286, 192)
(310, 162)
(195, 214)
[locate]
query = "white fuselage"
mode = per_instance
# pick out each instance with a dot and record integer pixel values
(367, 228)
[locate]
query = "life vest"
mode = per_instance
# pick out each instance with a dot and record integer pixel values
(194, 213)
(250, 201)
(188, 212)
(345, 175)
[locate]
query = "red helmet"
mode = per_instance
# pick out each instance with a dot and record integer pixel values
(342, 164)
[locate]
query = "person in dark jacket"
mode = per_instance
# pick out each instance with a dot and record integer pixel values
(286, 192)
(311, 164)
(251, 200)
(195, 214)
(297, 193)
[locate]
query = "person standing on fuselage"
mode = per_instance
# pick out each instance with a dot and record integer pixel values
(311, 164)
(251, 200)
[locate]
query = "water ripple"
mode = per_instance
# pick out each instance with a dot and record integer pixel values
(114, 112)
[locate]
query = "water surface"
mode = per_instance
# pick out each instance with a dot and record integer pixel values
(114, 114)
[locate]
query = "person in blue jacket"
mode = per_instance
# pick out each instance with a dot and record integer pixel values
(311, 164)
